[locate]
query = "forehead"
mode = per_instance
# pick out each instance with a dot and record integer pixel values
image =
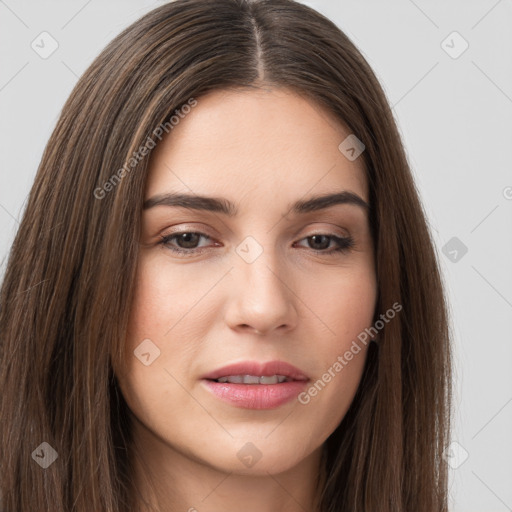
(259, 145)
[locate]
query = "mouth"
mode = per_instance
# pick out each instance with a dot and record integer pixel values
(254, 379)
(253, 385)
(253, 372)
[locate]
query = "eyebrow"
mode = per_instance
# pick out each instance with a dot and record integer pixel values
(222, 205)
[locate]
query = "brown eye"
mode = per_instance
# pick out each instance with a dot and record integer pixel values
(321, 242)
(186, 241)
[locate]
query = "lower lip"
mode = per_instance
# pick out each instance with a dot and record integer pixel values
(256, 396)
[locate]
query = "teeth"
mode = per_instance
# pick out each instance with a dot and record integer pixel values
(252, 379)
(234, 379)
(269, 380)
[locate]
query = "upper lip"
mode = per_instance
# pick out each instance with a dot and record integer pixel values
(258, 369)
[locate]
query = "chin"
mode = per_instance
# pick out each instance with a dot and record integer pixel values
(257, 457)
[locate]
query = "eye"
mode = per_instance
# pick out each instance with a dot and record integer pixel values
(322, 241)
(187, 243)
(187, 240)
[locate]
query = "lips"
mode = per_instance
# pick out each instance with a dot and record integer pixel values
(253, 385)
(256, 369)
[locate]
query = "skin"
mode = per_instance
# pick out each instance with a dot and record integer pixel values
(261, 149)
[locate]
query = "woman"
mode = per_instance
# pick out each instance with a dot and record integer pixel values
(223, 291)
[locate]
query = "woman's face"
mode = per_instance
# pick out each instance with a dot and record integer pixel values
(256, 282)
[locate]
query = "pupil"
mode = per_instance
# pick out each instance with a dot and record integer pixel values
(315, 238)
(185, 238)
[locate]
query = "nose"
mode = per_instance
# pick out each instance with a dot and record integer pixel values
(262, 298)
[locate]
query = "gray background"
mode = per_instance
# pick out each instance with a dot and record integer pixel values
(455, 116)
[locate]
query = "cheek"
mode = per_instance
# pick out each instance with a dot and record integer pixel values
(344, 305)
(345, 308)
(151, 384)
(165, 301)
(163, 321)
(154, 305)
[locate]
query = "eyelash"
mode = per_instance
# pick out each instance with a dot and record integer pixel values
(345, 243)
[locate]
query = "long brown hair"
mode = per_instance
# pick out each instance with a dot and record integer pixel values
(68, 286)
